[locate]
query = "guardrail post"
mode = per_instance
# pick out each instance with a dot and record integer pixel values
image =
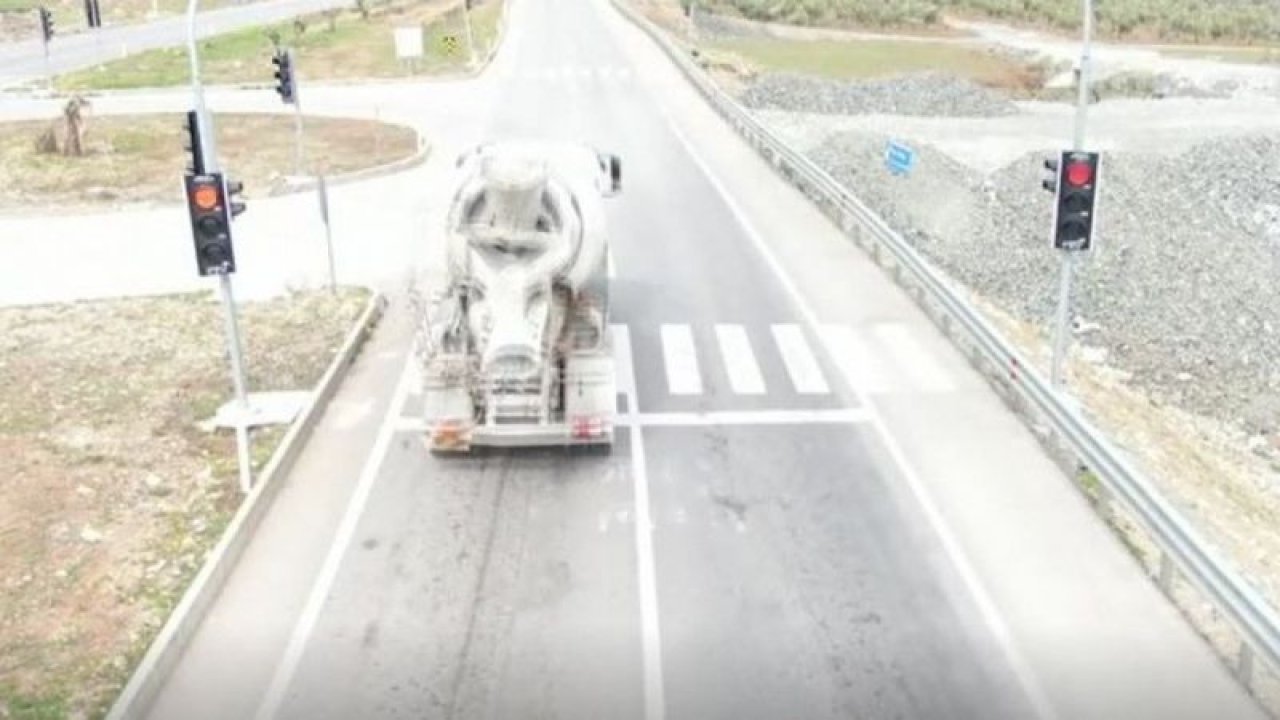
(1244, 665)
(1166, 573)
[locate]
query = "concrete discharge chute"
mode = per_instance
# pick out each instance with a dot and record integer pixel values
(518, 349)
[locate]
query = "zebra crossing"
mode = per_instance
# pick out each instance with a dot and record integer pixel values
(880, 358)
(572, 75)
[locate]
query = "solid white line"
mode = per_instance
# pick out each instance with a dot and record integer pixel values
(926, 374)
(288, 664)
(739, 362)
(646, 576)
(1026, 676)
(854, 359)
(802, 366)
(613, 270)
(683, 375)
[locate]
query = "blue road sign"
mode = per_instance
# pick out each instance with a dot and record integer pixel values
(899, 158)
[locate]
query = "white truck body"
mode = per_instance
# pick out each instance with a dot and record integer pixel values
(517, 349)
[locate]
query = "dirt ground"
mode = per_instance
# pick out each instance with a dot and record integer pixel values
(135, 159)
(112, 494)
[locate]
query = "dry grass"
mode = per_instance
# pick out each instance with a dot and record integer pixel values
(1202, 467)
(140, 159)
(112, 494)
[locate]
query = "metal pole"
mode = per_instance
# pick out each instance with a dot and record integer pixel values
(297, 134)
(471, 44)
(1062, 324)
(209, 153)
(48, 71)
(323, 188)
(237, 378)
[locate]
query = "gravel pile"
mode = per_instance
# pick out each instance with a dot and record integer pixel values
(927, 93)
(1181, 289)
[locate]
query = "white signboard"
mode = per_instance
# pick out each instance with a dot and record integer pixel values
(409, 42)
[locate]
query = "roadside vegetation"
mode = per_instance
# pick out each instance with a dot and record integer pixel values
(873, 58)
(113, 492)
(352, 43)
(1246, 21)
(138, 158)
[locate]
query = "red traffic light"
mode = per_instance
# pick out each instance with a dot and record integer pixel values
(1079, 173)
(205, 197)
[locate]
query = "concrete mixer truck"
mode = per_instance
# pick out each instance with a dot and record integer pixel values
(515, 347)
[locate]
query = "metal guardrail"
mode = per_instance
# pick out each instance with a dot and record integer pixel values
(1254, 619)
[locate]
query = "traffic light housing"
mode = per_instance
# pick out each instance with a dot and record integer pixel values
(46, 23)
(191, 143)
(210, 223)
(93, 13)
(1075, 188)
(285, 86)
(234, 189)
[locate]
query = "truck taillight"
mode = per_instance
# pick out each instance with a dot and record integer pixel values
(589, 427)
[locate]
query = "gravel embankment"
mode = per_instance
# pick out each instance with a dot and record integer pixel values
(1182, 285)
(1181, 289)
(926, 93)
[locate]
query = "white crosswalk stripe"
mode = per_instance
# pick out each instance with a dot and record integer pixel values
(924, 371)
(853, 357)
(802, 365)
(683, 374)
(740, 363)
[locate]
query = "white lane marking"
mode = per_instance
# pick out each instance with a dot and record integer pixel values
(986, 606)
(646, 576)
(801, 364)
(683, 374)
(748, 417)
(740, 363)
(288, 665)
(926, 374)
(613, 270)
(854, 359)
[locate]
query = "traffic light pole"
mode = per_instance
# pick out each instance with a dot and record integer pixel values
(1062, 325)
(209, 153)
(471, 43)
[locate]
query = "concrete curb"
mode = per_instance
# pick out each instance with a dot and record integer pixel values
(172, 641)
(418, 158)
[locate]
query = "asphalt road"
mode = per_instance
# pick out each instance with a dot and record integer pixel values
(815, 509)
(23, 62)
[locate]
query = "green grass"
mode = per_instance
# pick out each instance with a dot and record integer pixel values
(18, 5)
(14, 706)
(871, 58)
(326, 47)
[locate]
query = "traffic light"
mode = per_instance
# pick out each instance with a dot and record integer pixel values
(191, 143)
(210, 223)
(234, 188)
(1075, 186)
(93, 13)
(283, 60)
(1051, 183)
(46, 23)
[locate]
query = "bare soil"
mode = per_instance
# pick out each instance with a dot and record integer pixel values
(112, 493)
(139, 159)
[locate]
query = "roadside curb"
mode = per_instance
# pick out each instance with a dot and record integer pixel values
(418, 158)
(176, 634)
